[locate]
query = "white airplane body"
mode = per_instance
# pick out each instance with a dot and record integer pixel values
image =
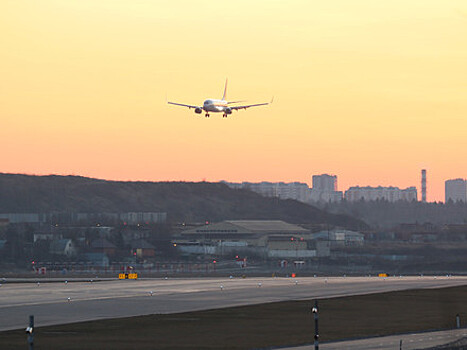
(218, 106)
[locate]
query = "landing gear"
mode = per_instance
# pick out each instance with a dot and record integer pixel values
(224, 115)
(207, 115)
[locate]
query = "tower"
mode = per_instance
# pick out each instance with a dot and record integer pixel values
(424, 185)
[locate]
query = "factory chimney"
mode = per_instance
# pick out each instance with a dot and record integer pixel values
(424, 185)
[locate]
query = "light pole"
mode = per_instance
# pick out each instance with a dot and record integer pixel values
(314, 311)
(30, 332)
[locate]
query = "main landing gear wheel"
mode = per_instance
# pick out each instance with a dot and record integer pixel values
(207, 115)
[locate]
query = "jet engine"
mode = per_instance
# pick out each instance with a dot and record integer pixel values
(198, 110)
(228, 111)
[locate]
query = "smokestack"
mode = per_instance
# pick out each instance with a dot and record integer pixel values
(424, 185)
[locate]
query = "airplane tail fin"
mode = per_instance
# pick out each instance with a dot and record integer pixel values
(225, 91)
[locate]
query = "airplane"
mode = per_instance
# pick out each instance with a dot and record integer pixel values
(218, 106)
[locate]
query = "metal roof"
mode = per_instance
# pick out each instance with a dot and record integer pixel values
(141, 244)
(102, 243)
(248, 226)
(267, 226)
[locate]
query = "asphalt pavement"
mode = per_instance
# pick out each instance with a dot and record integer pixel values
(409, 341)
(60, 302)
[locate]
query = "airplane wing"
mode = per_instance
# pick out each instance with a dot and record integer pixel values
(183, 105)
(236, 108)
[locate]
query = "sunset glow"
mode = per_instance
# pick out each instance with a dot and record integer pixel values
(367, 90)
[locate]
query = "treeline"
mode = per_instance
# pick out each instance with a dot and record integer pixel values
(384, 214)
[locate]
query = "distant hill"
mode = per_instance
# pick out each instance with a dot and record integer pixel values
(183, 201)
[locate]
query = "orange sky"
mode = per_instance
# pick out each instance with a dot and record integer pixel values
(369, 90)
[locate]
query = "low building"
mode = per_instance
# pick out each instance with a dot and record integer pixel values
(103, 246)
(289, 247)
(45, 236)
(64, 247)
(339, 237)
(134, 233)
(97, 259)
(266, 238)
(142, 249)
(22, 218)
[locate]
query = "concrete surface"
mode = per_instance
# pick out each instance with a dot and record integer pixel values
(59, 303)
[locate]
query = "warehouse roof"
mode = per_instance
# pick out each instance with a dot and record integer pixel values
(248, 226)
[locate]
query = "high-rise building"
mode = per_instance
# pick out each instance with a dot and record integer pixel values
(325, 189)
(390, 194)
(325, 182)
(293, 190)
(424, 185)
(455, 190)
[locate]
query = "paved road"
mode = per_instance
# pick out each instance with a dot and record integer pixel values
(409, 341)
(111, 299)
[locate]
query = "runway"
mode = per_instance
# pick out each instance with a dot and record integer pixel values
(60, 303)
(409, 341)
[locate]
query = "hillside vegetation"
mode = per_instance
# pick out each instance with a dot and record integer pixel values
(183, 201)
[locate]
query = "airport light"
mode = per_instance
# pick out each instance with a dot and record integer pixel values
(314, 311)
(30, 332)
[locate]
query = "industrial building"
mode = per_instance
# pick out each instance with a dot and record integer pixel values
(424, 185)
(341, 238)
(265, 238)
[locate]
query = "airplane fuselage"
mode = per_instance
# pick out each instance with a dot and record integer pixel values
(218, 106)
(215, 106)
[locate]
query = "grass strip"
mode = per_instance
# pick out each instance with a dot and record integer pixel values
(260, 326)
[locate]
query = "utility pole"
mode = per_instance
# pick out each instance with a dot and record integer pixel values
(30, 332)
(314, 311)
